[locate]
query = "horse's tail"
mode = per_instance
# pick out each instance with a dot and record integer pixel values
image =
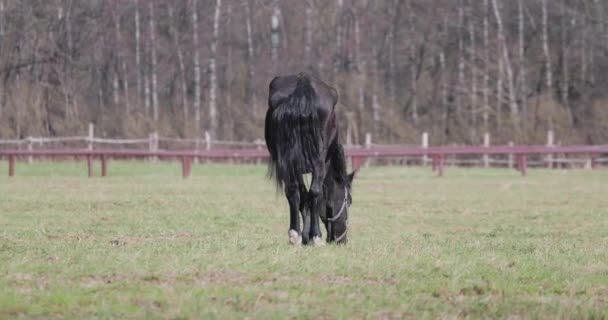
(297, 133)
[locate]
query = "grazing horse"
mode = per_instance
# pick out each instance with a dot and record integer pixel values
(301, 135)
(337, 197)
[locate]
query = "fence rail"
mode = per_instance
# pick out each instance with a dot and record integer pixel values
(357, 155)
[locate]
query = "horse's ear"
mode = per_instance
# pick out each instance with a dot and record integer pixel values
(351, 176)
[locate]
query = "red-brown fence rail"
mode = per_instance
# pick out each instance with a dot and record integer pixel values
(436, 155)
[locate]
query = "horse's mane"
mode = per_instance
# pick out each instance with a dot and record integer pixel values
(337, 168)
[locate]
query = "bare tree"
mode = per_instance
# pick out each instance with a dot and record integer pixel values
(275, 35)
(182, 70)
(507, 63)
(197, 69)
(251, 94)
(213, 121)
(545, 32)
(138, 52)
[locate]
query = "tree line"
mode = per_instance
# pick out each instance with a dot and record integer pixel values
(454, 68)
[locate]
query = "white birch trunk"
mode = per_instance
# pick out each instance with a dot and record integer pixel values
(460, 57)
(2, 19)
(122, 62)
(338, 24)
(545, 39)
(473, 79)
(213, 121)
(357, 43)
(138, 52)
(155, 109)
(505, 56)
(197, 70)
(499, 87)
(564, 49)
(252, 98)
(486, 76)
(275, 36)
(444, 89)
(308, 42)
(523, 86)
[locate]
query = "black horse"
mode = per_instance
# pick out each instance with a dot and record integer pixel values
(301, 135)
(337, 197)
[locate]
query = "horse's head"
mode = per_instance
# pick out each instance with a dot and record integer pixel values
(338, 198)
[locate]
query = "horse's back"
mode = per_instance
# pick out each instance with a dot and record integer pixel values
(281, 88)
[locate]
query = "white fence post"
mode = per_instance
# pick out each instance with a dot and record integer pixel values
(91, 135)
(368, 145)
(258, 145)
(550, 144)
(153, 143)
(425, 145)
(30, 147)
(486, 144)
(511, 156)
(207, 140)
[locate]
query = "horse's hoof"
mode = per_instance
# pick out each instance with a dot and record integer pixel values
(318, 242)
(294, 238)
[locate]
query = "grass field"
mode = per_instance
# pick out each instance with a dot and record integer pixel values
(145, 243)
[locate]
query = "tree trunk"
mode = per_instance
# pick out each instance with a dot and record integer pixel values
(213, 121)
(251, 94)
(486, 76)
(275, 36)
(153, 65)
(138, 52)
(182, 69)
(523, 87)
(473, 120)
(545, 39)
(460, 57)
(197, 70)
(309, 26)
(505, 56)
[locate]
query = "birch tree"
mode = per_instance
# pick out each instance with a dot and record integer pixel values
(197, 69)
(213, 121)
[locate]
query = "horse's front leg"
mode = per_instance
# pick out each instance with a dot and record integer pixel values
(305, 206)
(318, 205)
(292, 193)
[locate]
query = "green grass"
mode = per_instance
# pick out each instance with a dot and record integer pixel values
(145, 243)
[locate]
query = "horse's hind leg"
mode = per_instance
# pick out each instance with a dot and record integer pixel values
(292, 193)
(305, 206)
(318, 205)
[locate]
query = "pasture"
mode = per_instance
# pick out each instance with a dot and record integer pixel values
(145, 243)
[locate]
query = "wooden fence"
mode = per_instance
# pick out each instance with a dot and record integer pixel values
(358, 156)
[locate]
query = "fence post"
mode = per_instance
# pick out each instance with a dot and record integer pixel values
(90, 165)
(425, 145)
(186, 166)
(510, 156)
(486, 144)
(207, 141)
(258, 146)
(594, 161)
(197, 143)
(550, 144)
(153, 144)
(156, 141)
(91, 135)
(104, 165)
(11, 166)
(30, 148)
(368, 145)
